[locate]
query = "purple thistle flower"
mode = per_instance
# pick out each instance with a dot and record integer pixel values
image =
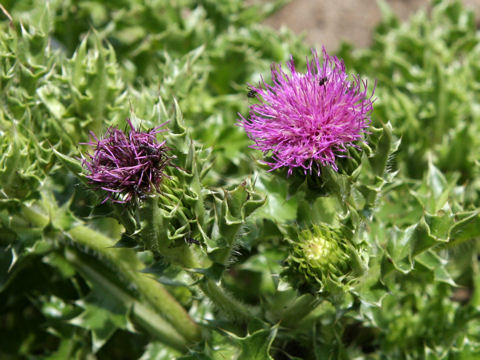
(127, 165)
(307, 120)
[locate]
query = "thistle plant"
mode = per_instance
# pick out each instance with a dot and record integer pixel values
(307, 120)
(341, 250)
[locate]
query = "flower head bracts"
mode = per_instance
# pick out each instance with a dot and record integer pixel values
(307, 120)
(127, 165)
(320, 251)
(322, 258)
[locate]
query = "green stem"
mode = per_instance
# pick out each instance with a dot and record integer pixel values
(295, 313)
(34, 217)
(143, 315)
(154, 234)
(129, 265)
(225, 301)
(153, 291)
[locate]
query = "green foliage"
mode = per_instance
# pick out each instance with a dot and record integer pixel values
(428, 73)
(220, 263)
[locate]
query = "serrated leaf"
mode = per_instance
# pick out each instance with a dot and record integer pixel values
(74, 165)
(256, 346)
(466, 228)
(434, 263)
(399, 245)
(49, 96)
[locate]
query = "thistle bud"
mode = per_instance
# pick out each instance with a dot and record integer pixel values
(127, 165)
(322, 257)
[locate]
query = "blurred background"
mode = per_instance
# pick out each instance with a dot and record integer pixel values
(328, 22)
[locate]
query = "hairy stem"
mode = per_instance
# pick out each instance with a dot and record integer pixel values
(152, 290)
(226, 302)
(142, 314)
(128, 264)
(296, 312)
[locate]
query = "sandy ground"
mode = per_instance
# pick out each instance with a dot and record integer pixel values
(328, 22)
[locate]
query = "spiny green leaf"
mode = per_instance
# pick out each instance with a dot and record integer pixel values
(256, 346)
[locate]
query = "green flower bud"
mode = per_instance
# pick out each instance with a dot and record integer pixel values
(322, 256)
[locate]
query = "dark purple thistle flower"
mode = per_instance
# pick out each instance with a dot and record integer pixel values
(127, 165)
(307, 120)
